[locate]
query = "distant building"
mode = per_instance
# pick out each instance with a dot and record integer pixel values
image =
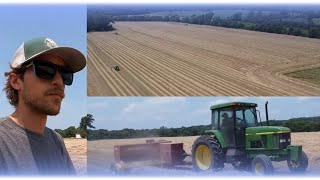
(78, 136)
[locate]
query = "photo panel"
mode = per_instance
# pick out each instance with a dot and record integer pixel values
(41, 134)
(203, 50)
(207, 89)
(203, 136)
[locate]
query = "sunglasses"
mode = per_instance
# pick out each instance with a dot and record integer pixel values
(47, 70)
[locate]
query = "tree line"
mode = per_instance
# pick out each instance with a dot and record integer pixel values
(283, 22)
(99, 23)
(71, 131)
(297, 23)
(303, 124)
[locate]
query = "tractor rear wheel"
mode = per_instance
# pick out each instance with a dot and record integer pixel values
(207, 154)
(300, 165)
(262, 165)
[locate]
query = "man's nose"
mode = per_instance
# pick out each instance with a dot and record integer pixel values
(57, 79)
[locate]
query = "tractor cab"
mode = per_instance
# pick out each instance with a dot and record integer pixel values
(232, 119)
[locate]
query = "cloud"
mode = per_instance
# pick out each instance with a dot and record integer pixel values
(151, 112)
(130, 107)
(305, 98)
(154, 103)
(165, 100)
(228, 99)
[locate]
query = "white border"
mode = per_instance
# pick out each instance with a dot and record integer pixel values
(161, 1)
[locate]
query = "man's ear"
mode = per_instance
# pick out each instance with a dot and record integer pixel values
(15, 81)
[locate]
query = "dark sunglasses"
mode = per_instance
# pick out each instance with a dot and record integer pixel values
(47, 70)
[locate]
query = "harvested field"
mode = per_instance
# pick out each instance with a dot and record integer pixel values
(312, 75)
(175, 59)
(100, 156)
(77, 149)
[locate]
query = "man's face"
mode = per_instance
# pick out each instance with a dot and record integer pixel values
(42, 95)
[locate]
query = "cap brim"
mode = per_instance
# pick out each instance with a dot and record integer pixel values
(73, 58)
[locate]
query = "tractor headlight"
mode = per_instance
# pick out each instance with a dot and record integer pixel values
(283, 140)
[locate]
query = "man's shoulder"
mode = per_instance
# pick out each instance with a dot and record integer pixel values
(54, 134)
(3, 119)
(4, 122)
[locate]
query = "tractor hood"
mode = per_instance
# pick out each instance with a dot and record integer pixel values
(264, 130)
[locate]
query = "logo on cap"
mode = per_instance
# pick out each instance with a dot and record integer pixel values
(50, 43)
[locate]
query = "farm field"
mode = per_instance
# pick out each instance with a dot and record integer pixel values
(77, 149)
(175, 59)
(100, 156)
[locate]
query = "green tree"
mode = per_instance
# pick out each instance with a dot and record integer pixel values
(71, 132)
(61, 132)
(86, 122)
(82, 132)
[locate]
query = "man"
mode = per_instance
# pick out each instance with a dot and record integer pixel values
(227, 121)
(228, 128)
(40, 69)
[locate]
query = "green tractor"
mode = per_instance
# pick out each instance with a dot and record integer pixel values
(238, 138)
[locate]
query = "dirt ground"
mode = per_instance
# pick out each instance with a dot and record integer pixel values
(175, 59)
(100, 156)
(77, 149)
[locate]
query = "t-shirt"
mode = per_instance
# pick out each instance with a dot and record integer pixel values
(23, 152)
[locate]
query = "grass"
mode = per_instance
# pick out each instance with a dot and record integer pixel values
(311, 75)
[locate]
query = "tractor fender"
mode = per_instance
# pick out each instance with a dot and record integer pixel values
(217, 134)
(295, 152)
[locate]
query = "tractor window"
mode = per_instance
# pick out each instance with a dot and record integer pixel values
(215, 122)
(226, 119)
(246, 117)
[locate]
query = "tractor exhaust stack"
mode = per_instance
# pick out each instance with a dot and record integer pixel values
(267, 117)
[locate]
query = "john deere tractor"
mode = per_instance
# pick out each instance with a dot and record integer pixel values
(237, 137)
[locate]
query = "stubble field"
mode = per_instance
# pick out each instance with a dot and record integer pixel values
(175, 59)
(100, 156)
(77, 149)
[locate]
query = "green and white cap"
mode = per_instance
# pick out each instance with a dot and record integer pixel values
(33, 48)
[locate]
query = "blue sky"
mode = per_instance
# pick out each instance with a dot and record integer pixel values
(115, 113)
(66, 25)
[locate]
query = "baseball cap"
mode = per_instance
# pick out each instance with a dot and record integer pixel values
(33, 48)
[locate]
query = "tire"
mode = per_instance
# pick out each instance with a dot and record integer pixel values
(262, 165)
(300, 165)
(207, 154)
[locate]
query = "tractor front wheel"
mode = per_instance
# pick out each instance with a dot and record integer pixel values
(262, 165)
(300, 165)
(207, 154)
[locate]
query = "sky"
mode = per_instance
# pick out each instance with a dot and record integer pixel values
(114, 113)
(66, 25)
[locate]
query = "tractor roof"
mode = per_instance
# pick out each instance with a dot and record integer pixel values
(230, 104)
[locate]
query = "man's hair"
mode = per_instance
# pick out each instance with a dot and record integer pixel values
(12, 94)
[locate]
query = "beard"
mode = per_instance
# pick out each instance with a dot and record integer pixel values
(49, 106)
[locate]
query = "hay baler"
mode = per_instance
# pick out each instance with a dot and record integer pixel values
(160, 153)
